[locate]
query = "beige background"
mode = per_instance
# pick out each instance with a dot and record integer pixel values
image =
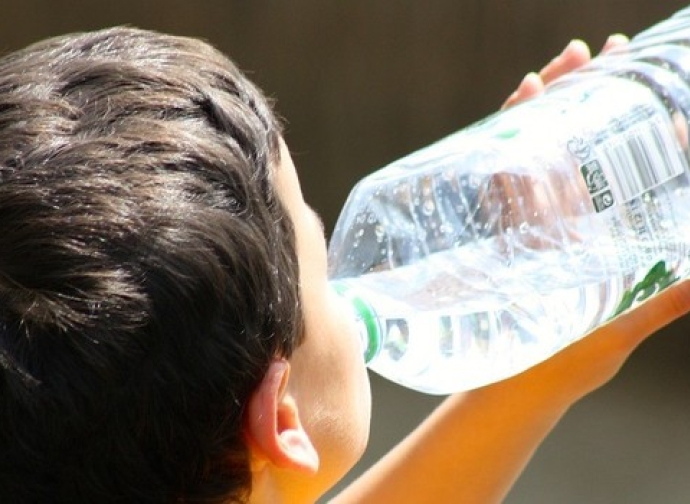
(364, 82)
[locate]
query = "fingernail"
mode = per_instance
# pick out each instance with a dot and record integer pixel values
(577, 44)
(530, 78)
(617, 38)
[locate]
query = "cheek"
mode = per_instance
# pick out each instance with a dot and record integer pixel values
(349, 403)
(333, 353)
(332, 382)
(346, 329)
(352, 355)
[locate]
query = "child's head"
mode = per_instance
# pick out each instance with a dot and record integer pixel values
(151, 282)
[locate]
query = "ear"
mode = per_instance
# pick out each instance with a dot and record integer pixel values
(273, 425)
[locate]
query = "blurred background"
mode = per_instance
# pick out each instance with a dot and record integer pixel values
(364, 82)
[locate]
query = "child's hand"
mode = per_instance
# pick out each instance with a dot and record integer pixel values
(595, 359)
(575, 55)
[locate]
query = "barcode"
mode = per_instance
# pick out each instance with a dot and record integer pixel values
(643, 157)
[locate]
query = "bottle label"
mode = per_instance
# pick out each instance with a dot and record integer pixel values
(634, 154)
(656, 280)
(625, 164)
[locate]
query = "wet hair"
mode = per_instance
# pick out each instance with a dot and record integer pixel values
(148, 271)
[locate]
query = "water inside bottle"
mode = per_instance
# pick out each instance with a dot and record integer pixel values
(475, 320)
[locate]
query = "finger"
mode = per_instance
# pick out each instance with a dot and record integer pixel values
(530, 86)
(575, 54)
(614, 41)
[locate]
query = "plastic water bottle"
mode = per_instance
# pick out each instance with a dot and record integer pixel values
(489, 251)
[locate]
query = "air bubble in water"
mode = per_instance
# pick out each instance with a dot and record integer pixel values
(428, 207)
(379, 232)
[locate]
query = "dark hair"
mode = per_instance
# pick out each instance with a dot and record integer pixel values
(148, 272)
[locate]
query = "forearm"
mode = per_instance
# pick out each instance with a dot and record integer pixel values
(471, 449)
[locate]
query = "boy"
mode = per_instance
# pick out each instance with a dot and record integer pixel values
(167, 330)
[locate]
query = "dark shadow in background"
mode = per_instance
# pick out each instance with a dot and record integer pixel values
(364, 82)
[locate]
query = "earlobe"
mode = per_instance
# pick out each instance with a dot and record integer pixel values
(273, 425)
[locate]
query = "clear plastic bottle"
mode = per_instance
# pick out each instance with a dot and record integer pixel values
(489, 251)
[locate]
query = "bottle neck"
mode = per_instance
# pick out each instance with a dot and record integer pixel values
(365, 318)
